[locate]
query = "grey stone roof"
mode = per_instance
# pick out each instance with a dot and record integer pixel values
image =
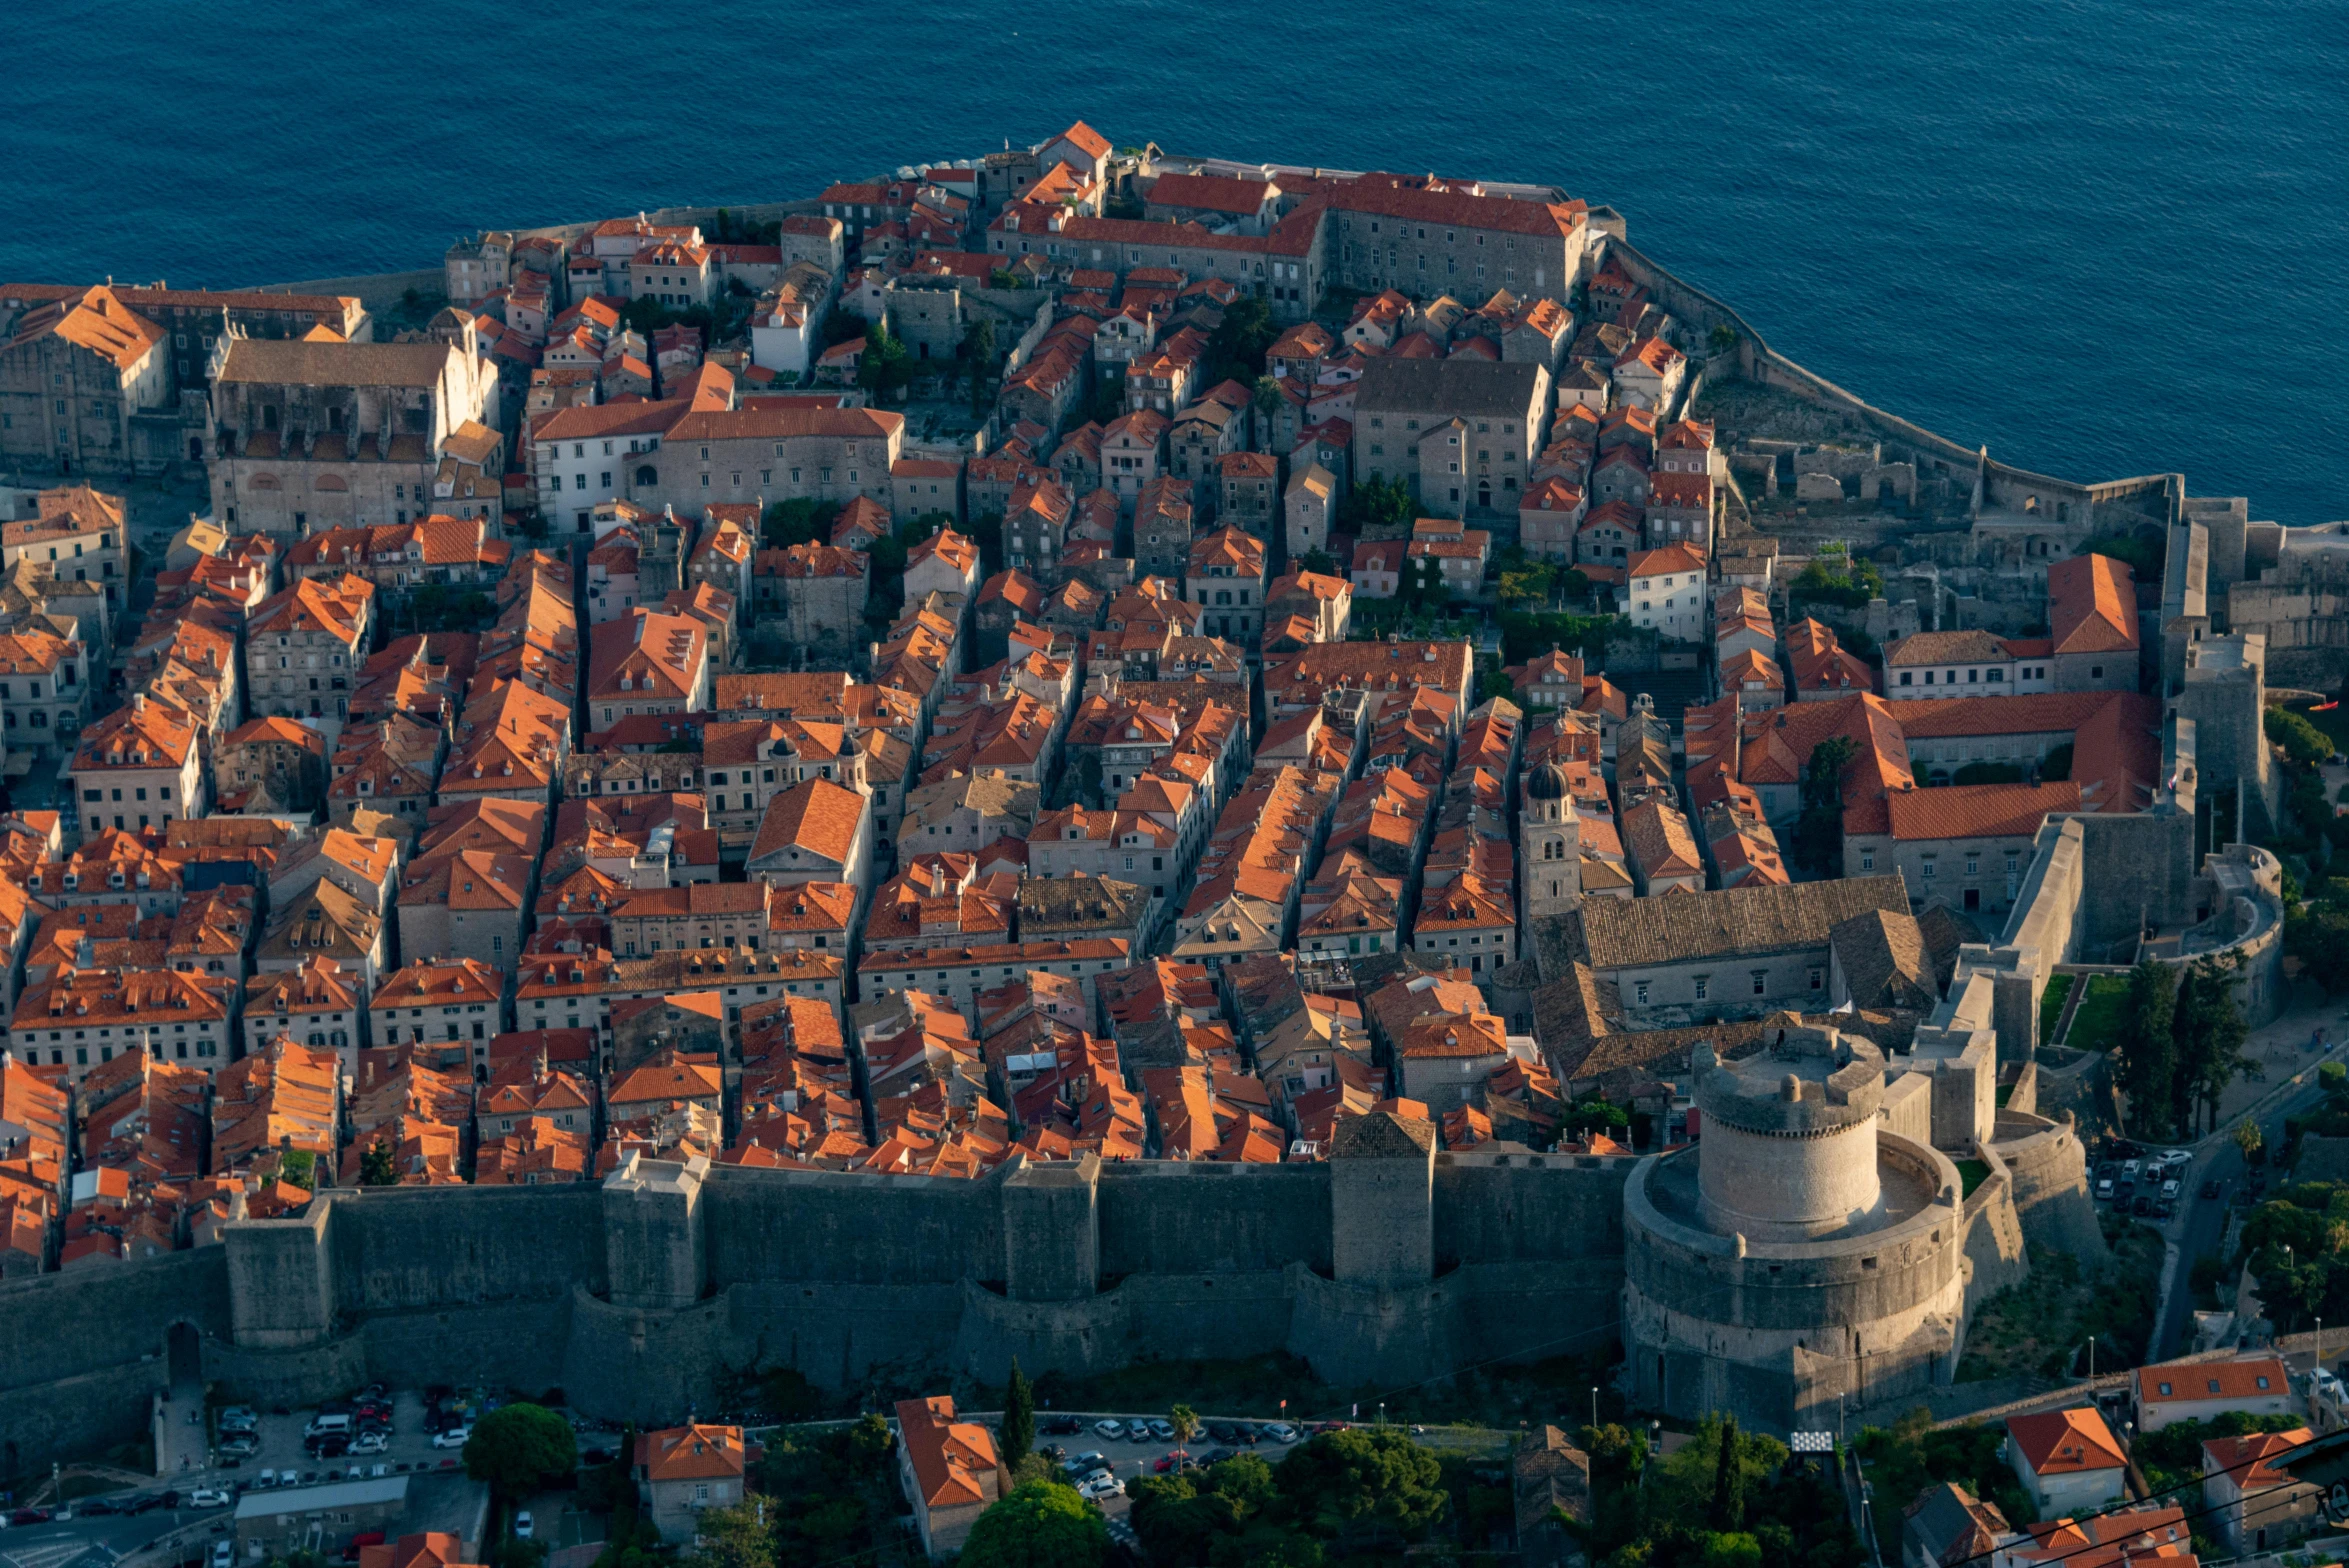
(1079, 902)
(292, 362)
(1617, 933)
(1884, 963)
(1382, 1135)
(1448, 386)
(1945, 930)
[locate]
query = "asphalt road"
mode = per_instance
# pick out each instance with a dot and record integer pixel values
(2200, 1225)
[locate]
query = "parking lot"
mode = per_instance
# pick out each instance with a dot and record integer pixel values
(1129, 1460)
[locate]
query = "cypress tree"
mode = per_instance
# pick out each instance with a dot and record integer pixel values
(1728, 1511)
(1019, 1417)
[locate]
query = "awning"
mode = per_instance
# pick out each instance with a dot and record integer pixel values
(19, 764)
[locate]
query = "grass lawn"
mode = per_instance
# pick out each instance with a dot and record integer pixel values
(2097, 1020)
(2041, 1324)
(1973, 1173)
(1491, 1398)
(2051, 1005)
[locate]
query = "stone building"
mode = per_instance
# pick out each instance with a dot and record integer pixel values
(1308, 507)
(303, 649)
(74, 374)
(1460, 434)
(44, 688)
(77, 535)
(309, 435)
(824, 591)
(271, 765)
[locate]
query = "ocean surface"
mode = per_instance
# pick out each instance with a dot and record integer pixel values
(2104, 237)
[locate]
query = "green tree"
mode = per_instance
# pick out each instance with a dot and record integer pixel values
(2211, 1034)
(978, 348)
(742, 1536)
(378, 1167)
(2304, 744)
(886, 366)
(1723, 338)
(799, 521)
(1320, 561)
(1018, 1430)
(2147, 1048)
(298, 1168)
(1818, 832)
(840, 325)
(1727, 1512)
(1185, 1421)
(1235, 351)
(1377, 508)
(516, 1447)
(2056, 766)
(1179, 1520)
(1268, 399)
(1042, 1524)
(1595, 1113)
(2249, 1138)
(1362, 1485)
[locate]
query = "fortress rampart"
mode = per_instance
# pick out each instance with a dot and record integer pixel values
(635, 1296)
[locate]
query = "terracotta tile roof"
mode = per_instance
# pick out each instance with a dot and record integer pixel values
(2248, 1461)
(98, 321)
(690, 1453)
(2092, 605)
(2065, 1442)
(1673, 558)
(2252, 1378)
(817, 816)
(1978, 810)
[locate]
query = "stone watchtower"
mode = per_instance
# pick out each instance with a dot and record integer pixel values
(1790, 1137)
(660, 558)
(1550, 839)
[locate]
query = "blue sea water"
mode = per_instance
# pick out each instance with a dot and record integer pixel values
(2103, 236)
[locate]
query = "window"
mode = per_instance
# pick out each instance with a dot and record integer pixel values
(1703, 984)
(1867, 860)
(1818, 978)
(1928, 868)
(1641, 987)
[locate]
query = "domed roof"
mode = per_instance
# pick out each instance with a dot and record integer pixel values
(1547, 782)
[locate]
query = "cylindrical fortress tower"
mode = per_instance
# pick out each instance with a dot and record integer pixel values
(1790, 1136)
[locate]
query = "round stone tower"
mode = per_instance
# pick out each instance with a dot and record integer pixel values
(1790, 1136)
(1801, 1253)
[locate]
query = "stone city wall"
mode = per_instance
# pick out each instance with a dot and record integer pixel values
(638, 1295)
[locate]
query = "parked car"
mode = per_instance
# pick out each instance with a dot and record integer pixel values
(92, 1507)
(1216, 1456)
(208, 1497)
(2104, 1190)
(2143, 1207)
(371, 1443)
(1110, 1428)
(1097, 1487)
(1053, 1452)
(2210, 1189)
(1280, 1431)
(1162, 1429)
(454, 1437)
(143, 1505)
(1083, 1464)
(1174, 1459)
(224, 1554)
(2169, 1192)
(2129, 1170)
(237, 1418)
(524, 1525)
(1138, 1430)
(1247, 1433)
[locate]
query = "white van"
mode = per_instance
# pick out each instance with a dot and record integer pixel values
(328, 1426)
